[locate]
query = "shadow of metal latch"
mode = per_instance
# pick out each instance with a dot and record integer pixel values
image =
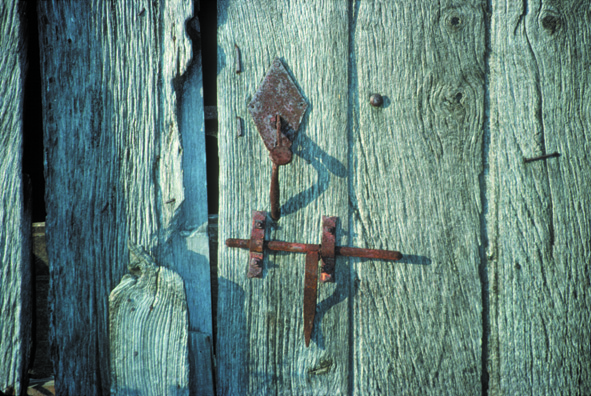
(326, 251)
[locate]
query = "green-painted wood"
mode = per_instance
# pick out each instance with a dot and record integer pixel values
(123, 123)
(414, 186)
(539, 220)
(15, 220)
(260, 341)
(149, 331)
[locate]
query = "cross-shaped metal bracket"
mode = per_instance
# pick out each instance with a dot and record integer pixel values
(326, 251)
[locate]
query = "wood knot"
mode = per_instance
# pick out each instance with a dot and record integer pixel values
(455, 22)
(454, 19)
(551, 21)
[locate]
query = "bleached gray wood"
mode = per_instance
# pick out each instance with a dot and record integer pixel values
(119, 87)
(539, 220)
(15, 220)
(149, 331)
(414, 187)
(191, 244)
(260, 341)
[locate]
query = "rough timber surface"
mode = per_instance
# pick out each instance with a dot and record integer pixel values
(540, 214)
(121, 97)
(260, 340)
(15, 226)
(414, 187)
(148, 331)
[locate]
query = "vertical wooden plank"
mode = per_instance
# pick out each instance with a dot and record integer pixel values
(415, 165)
(149, 326)
(191, 244)
(260, 341)
(541, 217)
(15, 221)
(115, 76)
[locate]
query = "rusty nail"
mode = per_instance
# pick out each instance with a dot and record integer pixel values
(259, 224)
(376, 100)
(541, 157)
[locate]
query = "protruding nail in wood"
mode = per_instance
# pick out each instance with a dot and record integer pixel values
(541, 157)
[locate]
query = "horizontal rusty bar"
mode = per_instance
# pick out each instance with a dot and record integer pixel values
(368, 253)
(307, 248)
(275, 245)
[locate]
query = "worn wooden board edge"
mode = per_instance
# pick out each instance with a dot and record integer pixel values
(15, 215)
(190, 245)
(149, 330)
(136, 162)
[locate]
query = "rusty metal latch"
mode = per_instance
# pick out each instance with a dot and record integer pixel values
(277, 109)
(326, 251)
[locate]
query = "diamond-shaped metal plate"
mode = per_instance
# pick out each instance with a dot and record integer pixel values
(277, 94)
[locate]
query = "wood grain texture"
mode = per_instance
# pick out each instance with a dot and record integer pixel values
(260, 340)
(15, 221)
(149, 331)
(540, 222)
(414, 187)
(120, 94)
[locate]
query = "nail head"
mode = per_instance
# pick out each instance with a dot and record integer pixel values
(376, 100)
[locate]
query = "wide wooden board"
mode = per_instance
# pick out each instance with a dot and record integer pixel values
(120, 89)
(539, 220)
(15, 221)
(414, 186)
(260, 341)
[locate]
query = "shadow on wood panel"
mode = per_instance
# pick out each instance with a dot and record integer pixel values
(323, 163)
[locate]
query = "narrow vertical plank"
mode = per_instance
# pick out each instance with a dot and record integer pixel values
(115, 79)
(191, 244)
(15, 221)
(149, 328)
(541, 218)
(260, 340)
(415, 165)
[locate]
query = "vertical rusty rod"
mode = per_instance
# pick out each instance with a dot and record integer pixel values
(275, 208)
(310, 293)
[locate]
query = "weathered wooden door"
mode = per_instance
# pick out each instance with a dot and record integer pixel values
(475, 167)
(492, 294)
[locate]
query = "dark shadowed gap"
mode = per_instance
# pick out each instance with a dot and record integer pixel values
(207, 14)
(352, 125)
(32, 117)
(33, 152)
(483, 177)
(208, 20)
